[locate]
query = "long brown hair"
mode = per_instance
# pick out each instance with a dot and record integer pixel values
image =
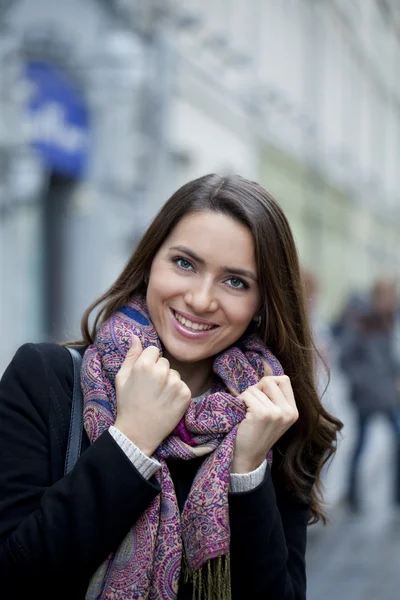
(284, 328)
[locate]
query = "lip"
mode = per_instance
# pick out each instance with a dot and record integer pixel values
(191, 335)
(194, 319)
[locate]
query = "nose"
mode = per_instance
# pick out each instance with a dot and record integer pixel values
(201, 298)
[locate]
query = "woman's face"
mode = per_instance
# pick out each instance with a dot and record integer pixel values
(203, 292)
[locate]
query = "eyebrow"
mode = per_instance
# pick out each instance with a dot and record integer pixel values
(224, 269)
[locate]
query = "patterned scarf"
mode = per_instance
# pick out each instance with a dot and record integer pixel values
(148, 563)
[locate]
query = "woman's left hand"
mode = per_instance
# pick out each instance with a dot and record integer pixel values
(271, 411)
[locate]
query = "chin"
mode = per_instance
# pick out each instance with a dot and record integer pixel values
(185, 356)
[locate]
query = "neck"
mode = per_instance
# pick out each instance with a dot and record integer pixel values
(197, 376)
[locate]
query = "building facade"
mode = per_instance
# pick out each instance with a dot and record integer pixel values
(75, 83)
(309, 89)
(107, 106)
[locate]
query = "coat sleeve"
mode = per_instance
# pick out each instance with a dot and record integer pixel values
(56, 532)
(268, 543)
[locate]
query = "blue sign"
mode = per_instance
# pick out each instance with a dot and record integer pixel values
(57, 119)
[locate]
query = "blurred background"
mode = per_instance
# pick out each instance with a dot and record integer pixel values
(108, 106)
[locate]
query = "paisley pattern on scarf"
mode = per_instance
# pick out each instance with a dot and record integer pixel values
(148, 563)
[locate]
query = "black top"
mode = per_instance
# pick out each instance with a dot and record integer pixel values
(55, 530)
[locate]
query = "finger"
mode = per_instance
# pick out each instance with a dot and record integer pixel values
(284, 401)
(160, 370)
(270, 388)
(185, 392)
(163, 362)
(134, 352)
(284, 384)
(264, 402)
(150, 355)
(163, 365)
(135, 349)
(260, 396)
(175, 373)
(269, 405)
(255, 398)
(174, 377)
(259, 406)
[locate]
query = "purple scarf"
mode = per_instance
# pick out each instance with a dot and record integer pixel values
(148, 563)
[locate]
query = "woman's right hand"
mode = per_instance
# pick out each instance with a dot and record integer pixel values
(151, 397)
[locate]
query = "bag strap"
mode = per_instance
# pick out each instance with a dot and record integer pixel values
(76, 423)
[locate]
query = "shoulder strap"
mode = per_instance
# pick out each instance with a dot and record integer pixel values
(76, 422)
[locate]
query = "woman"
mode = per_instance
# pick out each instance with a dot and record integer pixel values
(201, 464)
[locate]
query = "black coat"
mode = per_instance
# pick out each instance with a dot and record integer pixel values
(55, 530)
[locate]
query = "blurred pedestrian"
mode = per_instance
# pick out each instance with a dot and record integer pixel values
(354, 306)
(201, 462)
(370, 362)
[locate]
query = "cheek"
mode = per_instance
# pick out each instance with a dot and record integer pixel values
(163, 285)
(241, 313)
(155, 297)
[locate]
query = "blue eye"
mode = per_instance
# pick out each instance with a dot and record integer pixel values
(183, 264)
(237, 283)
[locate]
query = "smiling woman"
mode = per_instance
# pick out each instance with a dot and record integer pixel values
(198, 305)
(204, 436)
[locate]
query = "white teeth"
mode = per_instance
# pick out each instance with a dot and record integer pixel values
(190, 325)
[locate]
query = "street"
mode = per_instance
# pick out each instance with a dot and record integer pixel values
(356, 557)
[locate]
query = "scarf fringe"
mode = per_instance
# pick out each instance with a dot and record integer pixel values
(212, 581)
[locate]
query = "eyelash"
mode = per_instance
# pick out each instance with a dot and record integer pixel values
(176, 260)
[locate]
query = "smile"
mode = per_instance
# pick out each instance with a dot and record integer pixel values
(193, 325)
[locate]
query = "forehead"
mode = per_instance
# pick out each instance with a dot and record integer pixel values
(215, 237)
